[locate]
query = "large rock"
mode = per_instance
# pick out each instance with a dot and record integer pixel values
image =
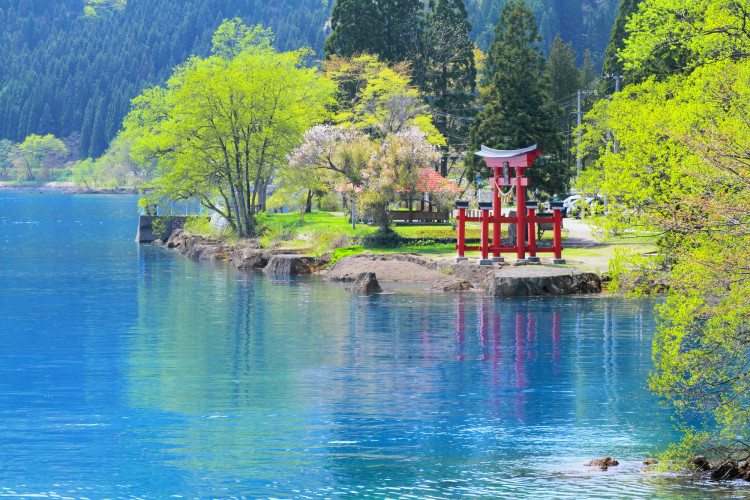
(177, 238)
(209, 251)
(250, 258)
(366, 283)
(542, 281)
(291, 264)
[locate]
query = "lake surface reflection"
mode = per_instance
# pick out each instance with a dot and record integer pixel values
(130, 372)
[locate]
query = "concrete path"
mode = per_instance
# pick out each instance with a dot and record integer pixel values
(579, 234)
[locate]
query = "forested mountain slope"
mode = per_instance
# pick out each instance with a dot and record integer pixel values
(585, 23)
(63, 72)
(71, 66)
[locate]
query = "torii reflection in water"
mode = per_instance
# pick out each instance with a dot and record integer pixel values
(506, 341)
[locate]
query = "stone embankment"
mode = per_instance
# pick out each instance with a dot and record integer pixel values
(436, 274)
(247, 256)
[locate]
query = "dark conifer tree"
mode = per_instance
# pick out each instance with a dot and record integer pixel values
(447, 73)
(402, 25)
(565, 81)
(355, 28)
(518, 110)
(612, 65)
(563, 74)
(87, 127)
(98, 137)
(47, 121)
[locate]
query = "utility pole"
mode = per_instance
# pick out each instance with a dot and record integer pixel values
(617, 79)
(615, 143)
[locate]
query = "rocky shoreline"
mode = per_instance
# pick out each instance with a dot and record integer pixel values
(443, 275)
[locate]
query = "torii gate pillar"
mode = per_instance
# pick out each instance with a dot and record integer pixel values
(501, 161)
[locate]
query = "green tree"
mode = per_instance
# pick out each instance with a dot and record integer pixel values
(224, 124)
(612, 64)
(390, 29)
(448, 71)
(356, 28)
(378, 98)
(565, 81)
(84, 173)
(402, 25)
(6, 147)
(36, 156)
(518, 110)
(682, 173)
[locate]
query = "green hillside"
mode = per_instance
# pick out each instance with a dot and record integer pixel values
(70, 67)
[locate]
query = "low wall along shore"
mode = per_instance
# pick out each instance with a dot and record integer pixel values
(158, 227)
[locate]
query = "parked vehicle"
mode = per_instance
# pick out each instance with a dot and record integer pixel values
(568, 204)
(594, 206)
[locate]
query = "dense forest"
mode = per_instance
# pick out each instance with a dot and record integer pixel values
(65, 70)
(70, 67)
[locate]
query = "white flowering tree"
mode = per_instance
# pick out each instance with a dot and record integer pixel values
(381, 171)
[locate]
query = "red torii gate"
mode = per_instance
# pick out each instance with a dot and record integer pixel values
(501, 161)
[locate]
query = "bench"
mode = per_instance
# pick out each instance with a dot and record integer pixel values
(418, 216)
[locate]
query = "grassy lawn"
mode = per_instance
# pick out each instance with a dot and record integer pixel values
(323, 231)
(289, 226)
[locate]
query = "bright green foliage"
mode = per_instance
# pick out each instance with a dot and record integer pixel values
(683, 171)
(95, 8)
(377, 98)
(224, 124)
(518, 110)
(114, 169)
(34, 158)
(668, 37)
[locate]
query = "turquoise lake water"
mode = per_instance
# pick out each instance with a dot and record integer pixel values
(128, 371)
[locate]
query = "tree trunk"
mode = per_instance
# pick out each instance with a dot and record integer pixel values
(308, 205)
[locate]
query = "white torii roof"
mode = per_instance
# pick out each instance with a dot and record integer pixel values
(503, 153)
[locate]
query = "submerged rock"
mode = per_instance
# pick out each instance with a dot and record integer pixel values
(603, 463)
(366, 283)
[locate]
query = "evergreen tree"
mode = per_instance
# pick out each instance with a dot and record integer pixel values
(46, 121)
(563, 74)
(565, 82)
(356, 28)
(518, 110)
(402, 25)
(588, 72)
(612, 64)
(98, 138)
(448, 76)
